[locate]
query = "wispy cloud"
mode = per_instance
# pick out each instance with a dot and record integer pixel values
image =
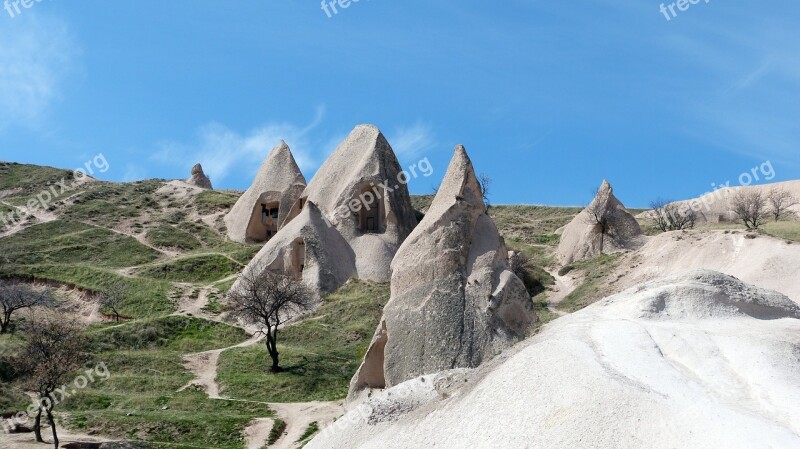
(412, 142)
(36, 55)
(222, 150)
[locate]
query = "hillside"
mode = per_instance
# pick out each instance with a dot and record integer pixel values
(164, 240)
(183, 373)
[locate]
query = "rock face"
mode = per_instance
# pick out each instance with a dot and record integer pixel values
(308, 249)
(695, 360)
(199, 178)
(264, 208)
(366, 209)
(359, 190)
(604, 226)
(454, 302)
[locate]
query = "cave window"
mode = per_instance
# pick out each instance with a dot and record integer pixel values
(371, 215)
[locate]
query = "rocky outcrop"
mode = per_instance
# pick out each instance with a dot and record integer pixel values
(307, 249)
(360, 191)
(454, 301)
(199, 178)
(265, 207)
(711, 356)
(367, 210)
(602, 227)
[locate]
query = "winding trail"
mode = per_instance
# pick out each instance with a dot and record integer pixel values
(297, 416)
(564, 285)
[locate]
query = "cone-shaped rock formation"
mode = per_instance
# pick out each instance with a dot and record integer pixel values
(454, 302)
(264, 208)
(603, 226)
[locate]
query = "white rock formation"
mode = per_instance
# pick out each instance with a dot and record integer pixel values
(359, 194)
(694, 361)
(602, 227)
(199, 178)
(761, 260)
(359, 190)
(455, 302)
(264, 208)
(308, 249)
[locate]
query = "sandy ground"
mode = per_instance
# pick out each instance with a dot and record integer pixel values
(27, 440)
(763, 261)
(564, 285)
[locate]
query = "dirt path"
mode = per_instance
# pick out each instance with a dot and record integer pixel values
(297, 416)
(27, 440)
(257, 432)
(41, 216)
(564, 285)
(204, 366)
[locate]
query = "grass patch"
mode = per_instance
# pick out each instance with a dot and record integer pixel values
(176, 333)
(70, 242)
(789, 230)
(140, 401)
(5, 210)
(211, 201)
(30, 179)
(147, 297)
(309, 432)
(108, 203)
(278, 426)
(532, 224)
(166, 236)
(199, 269)
(12, 399)
(319, 355)
(542, 310)
(594, 287)
(212, 241)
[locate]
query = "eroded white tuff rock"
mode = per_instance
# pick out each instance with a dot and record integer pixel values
(264, 208)
(364, 167)
(366, 208)
(199, 178)
(454, 302)
(602, 227)
(695, 360)
(307, 249)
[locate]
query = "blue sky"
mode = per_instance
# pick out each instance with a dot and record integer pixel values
(548, 97)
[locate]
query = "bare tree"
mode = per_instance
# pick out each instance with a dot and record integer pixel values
(750, 208)
(114, 296)
(269, 300)
(53, 350)
(670, 216)
(485, 182)
(16, 296)
(519, 263)
(780, 200)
